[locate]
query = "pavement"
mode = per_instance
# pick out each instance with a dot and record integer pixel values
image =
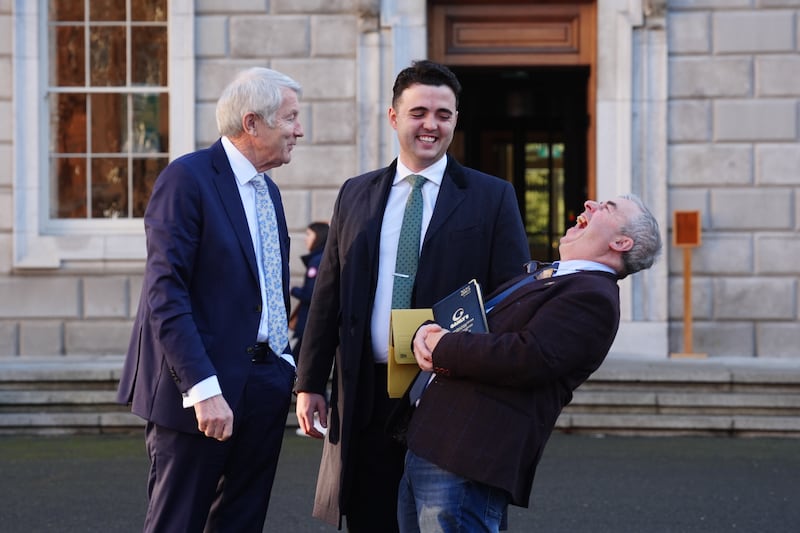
(585, 484)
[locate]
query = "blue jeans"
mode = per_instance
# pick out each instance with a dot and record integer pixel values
(433, 500)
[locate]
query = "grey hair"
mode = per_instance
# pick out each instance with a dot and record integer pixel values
(643, 229)
(258, 90)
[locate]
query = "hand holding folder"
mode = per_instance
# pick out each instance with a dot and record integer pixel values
(461, 310)
(402, 364)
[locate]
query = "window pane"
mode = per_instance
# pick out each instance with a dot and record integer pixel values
(149, 56)
(68, 123)
(68, 68)
(107, 144)
(107, 10)
(109, 122)
(149, 10)
(68, 187)
(109, 188)
(66, 10)
(150, 120)
(107, 61)
(145, 172)
(544, 196)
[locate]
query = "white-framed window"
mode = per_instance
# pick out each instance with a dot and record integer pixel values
(99, 85)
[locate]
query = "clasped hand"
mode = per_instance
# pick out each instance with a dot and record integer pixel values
(425, 340)
(214, 418)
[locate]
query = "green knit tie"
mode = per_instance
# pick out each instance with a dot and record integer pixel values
(405, 270)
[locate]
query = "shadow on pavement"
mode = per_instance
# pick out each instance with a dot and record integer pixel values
(585, 484)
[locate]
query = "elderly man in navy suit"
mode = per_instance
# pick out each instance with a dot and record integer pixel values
(209, 364)
(480, 426)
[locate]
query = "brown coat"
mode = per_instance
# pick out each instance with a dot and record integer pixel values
(496, 397)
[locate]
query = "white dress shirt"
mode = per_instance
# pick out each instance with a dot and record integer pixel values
(390, 234)
(576, 265)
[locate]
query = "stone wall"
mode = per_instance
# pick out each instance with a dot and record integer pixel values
(734, 86)
(732, 151)
(89, 309)
(8, 328)
(314, 42)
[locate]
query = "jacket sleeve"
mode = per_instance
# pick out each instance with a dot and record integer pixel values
(173, 225)
(533, 343)
(321, 334)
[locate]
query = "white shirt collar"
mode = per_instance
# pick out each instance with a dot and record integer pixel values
(434, 173)
(242, 168)
(575, 265)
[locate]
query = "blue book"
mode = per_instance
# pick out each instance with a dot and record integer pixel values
(462, 310)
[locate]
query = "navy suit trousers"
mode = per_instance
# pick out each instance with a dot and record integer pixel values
(200, 484)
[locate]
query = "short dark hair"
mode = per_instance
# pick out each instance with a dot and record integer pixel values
(426, 73)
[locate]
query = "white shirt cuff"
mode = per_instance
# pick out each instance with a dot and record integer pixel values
(202, 391)
(210, 386)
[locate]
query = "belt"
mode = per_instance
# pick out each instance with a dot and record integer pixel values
(261, 353)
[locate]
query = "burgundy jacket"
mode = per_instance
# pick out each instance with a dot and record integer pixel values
(496, 397)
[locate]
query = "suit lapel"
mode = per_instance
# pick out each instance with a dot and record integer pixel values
(377, 196)
(452, 192)
(280, 216)
(283, 237)
(225, 182)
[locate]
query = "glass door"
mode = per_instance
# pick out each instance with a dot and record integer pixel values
(529, 127)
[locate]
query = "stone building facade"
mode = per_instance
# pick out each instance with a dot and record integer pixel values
(696, 108)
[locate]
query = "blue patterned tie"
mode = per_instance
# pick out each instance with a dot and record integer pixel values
(405, 270)
(271, 261)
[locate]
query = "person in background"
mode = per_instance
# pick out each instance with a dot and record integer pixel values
(209, 365)
(316, 235)
(469, 227)
(479, 428)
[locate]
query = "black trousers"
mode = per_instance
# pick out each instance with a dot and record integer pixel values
(377, 462)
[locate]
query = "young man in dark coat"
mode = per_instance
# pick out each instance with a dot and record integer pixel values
(471, 228)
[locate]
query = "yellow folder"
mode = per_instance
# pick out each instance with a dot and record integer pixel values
(402, 364)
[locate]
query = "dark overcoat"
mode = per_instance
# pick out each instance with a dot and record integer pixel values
(475, 232)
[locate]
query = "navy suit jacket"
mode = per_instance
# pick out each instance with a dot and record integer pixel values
(200, 305)
(496, 396)
(475, 232)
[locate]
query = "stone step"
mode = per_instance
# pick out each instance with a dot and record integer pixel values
(674, 424)
(72, 369)
(665, 402)
(637, 397)
(17, 399)
(51, 423)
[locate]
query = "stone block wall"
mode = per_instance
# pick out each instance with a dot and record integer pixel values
(733, 154)
(90, 311)
(734, 90)
(9, 329)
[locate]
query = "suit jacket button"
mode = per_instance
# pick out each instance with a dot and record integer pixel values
(258, 309)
